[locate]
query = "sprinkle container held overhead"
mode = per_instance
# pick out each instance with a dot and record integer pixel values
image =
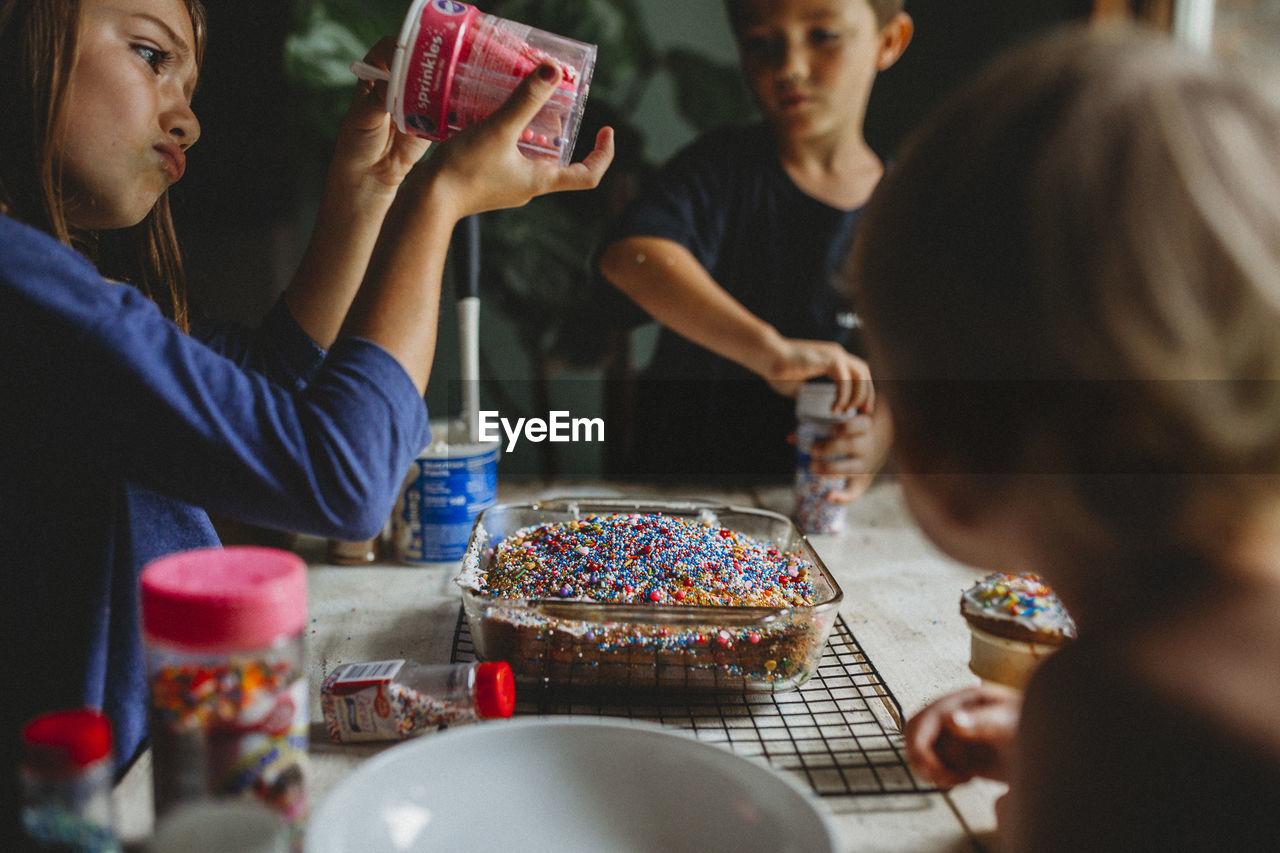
(454, 65)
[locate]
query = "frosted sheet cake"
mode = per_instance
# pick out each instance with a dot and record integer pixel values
(670, 596)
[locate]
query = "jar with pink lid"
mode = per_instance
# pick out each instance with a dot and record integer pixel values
(225, 660)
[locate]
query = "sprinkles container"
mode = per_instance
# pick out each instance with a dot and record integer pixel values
(454, 65)
(66, 782)
(229, 704)
(649, 613)
(815, 511)
(395, 699)
(448, 485)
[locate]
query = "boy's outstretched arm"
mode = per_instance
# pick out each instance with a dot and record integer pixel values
(667, 281)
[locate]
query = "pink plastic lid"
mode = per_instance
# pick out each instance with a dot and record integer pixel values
(224, 598)
(64, 741)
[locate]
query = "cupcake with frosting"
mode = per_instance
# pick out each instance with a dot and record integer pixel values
(1015, 622)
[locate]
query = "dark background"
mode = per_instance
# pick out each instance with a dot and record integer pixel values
(244, 207)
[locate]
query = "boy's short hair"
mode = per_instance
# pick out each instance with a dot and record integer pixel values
(884, 10)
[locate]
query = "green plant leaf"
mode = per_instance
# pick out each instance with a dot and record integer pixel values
(320, 56)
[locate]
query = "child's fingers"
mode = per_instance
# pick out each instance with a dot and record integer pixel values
(382, 52)
(961, 760)
(586, 174)
(866, 401)
(846, 452)
(527, 98)
(963, 734)
(920, 739)
(844, 394)
(845, 432)
(856, 488)
(995, 721)
(371, 97)
(853, 387)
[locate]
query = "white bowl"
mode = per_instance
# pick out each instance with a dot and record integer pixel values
(564, 785)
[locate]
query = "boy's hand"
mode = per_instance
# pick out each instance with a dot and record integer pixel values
(964, 734)
(797, 360)
(483, 169)
(856, 449)
(370, 150)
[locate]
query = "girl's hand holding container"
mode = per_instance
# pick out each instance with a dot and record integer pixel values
(454, 65)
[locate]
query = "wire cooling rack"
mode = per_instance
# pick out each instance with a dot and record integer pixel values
(840, 731)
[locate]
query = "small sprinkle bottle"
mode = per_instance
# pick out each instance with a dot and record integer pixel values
(394, 699)
(66, 782)
(228, 692)
(815, 512)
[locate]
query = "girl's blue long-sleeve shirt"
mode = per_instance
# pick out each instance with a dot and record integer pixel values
(120, 432)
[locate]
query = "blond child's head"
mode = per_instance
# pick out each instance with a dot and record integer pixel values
(1071, 286)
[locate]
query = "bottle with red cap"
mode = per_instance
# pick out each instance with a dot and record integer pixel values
(394, 699)
(66, 782)
(226, 666)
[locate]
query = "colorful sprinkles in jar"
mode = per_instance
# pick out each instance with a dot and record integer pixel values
(647, 559)
(188, 695)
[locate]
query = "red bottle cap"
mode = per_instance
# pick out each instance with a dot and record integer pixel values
(65, 741)
(495, 689)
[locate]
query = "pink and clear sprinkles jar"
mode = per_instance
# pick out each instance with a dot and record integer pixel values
(454, 65)
(225, 660)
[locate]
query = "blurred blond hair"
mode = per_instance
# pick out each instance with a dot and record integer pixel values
(1073, 270)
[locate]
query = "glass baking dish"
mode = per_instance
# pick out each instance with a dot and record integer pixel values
(651, 646)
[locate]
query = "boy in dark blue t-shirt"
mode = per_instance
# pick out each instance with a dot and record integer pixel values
(737, 247)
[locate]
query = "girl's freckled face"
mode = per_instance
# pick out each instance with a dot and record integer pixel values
(127, 120)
